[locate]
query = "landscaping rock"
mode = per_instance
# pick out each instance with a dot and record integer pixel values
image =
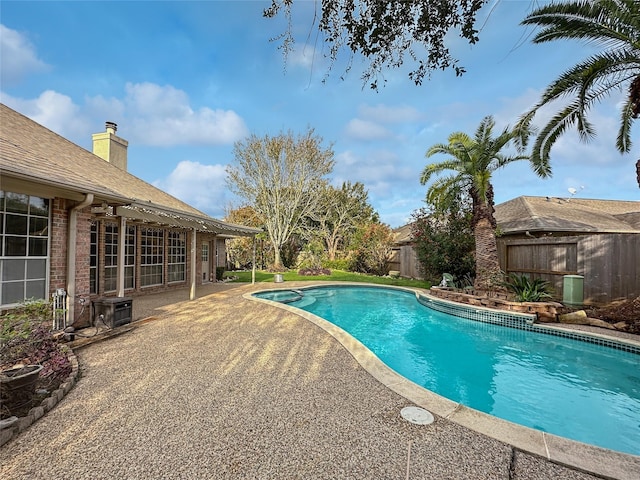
(577, 318)
(599, 323)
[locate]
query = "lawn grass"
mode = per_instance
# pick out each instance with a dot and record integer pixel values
(336, 276)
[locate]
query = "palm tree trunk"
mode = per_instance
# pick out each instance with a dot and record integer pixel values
(638, 172)
(488, 273)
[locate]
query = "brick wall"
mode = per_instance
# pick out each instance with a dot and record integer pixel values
(59, 232)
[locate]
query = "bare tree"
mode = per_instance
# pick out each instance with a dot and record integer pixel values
(281, 177)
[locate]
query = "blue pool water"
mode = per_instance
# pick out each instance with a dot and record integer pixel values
(567, 387)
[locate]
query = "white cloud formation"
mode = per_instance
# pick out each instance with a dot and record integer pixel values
(202, 186)
(161, 116)
(18, 58)
(388, 114)
(365, 130)
(302, 55)
(154, 115)
(55, 111)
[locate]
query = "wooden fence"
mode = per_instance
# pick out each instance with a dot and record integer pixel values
(609, 263)
(405, 261)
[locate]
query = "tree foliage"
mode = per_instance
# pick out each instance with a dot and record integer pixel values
(240, 249)
(613, 25)
(388, 33)
(473, 160)
(281, 178)
(371, 249)
(340, 211)
(444, 241)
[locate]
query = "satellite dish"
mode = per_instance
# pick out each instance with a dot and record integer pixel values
(572, 190)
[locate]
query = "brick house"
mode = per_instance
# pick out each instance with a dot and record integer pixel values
(77, 224)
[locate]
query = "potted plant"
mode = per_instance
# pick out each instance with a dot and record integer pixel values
(25, 340)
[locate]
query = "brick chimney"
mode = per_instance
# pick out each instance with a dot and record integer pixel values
(110, 147)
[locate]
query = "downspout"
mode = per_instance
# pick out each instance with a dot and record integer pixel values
(71, 256)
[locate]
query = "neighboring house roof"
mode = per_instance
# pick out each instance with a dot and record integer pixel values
(550, 214)
(402, 235)
(30, 153)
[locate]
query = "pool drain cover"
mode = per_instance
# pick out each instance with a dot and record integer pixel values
(417, 415)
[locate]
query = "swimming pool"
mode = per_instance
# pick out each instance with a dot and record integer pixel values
(582, 391)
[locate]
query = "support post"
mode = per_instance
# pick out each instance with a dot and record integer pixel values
(253, 262)
(192, 293)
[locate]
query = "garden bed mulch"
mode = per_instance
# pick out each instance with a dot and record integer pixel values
(627, 312)
(50, 392)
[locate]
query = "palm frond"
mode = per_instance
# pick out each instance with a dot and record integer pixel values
(608, 23)
(623, 140)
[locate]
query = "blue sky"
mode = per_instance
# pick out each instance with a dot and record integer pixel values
(185, 80)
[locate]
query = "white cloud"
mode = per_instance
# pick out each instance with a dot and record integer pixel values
(380, 171)
(387, 114)
(365, 130)
(55, 111)
(302, 55)
(154, 115)
(162, 116)
(19, 57)
(202, 186)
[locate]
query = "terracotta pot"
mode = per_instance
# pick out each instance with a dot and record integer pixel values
(17, 387)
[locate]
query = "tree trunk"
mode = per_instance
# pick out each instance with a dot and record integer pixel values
(488, 273)
(277, 258)
(638, 172)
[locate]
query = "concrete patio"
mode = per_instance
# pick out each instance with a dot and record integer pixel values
(225, 387)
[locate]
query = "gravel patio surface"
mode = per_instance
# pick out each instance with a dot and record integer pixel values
(223, 387)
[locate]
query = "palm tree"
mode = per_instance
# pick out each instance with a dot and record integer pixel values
(612, 24)
(472, 161)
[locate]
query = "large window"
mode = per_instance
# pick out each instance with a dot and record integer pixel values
(24, 247)
(151, 256)
(177, 257)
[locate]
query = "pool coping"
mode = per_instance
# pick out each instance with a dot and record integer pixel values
(581, 456)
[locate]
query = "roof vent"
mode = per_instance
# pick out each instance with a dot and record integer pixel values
(111, 127)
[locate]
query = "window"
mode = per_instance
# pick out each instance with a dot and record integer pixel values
(205, 252)
(177, 257)
(151, 256)
(24, 247)
(110, 257)
(130, 257)
(93, 258)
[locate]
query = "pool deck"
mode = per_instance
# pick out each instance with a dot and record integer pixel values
(229, 387)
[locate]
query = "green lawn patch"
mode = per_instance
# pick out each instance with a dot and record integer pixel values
(336, 276)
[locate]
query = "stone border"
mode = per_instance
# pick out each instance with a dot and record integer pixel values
(545, 311)
(47, 404)
(580, 456)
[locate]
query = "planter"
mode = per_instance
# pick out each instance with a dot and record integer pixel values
(17, 387)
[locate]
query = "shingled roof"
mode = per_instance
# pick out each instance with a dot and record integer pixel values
(550, 214)
(31, 153)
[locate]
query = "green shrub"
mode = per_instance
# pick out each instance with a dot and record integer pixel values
(219, 273)
(338, 264)
(527, 289)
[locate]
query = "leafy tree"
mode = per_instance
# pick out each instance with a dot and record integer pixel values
(240, 249)
(372, 246)
(444, 241)
(280, 177)
(613, 25)
(472, 161)
(388, 33)
(339, 213)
